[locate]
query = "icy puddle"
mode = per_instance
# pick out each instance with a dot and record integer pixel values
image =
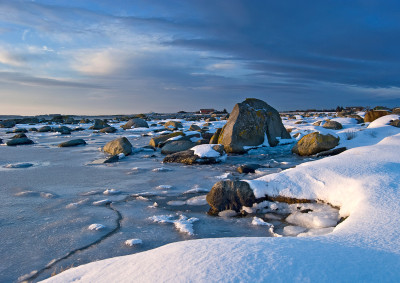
(60, 210)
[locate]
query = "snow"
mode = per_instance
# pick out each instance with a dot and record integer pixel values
(111, 192)
(199, 200)
(293, 230)
(133, 242)
(259, 222)
(363, 181)
(227, 213)
(205, 150)
(96, 227)
(182, 224)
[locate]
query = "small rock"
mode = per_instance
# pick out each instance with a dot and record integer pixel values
(248, 168)
(156, 141)
(194, 127)
(177, 146)
(19, 136)
(314, 143)
(135, 123)
(99, 124)
(173, 125)
(72, 143)
(133, 242)
(332, 125)
(44, 129)
(19, 141)
(108, 130)
(117, 146)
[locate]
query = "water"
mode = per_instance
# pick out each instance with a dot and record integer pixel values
(47, 208)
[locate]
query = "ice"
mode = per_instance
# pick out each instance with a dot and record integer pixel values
(227, 213)
(293, 230)
(316, 232)
(133, 242)
(197, 189)
(176, 202)
(96, 227)
(161, 169)
(319, 216)
(111, 192)
(199, 200)
(19, 165)
(164, 187)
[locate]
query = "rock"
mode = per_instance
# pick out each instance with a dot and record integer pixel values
(111, 159)
(72, 143)
(135, 123)
(357, 117)
(1, 140)
(176, 146)
(19, 136)
(194, 127)
(249, 123)
(44, 129)
(173, 125)
(331, 152)
(99, 124)
(395, 123)
(314, 143)
(64, 130)
(214, 138)
(211, 119)
(372, 115)
(33, 129)
(333, 125)
(207, 136)
(248, 168)
(20, 131)
(7, 124)
(317, 123)
(19, 141)
(188, 157)
(230, 195)
(117, 146)
(154, 142)
(108, 130)
(32, 120)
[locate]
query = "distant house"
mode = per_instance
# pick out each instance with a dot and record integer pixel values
(206, 111)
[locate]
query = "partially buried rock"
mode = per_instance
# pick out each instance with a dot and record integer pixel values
(154, 142)
(333, 125)
(117, 146)
(314, 143)
(19, 136)
(252, 123)
(7, 124)
(395, 123)
(210, 155)
(135, 123)
(72, 143)
(99, 124)
(108, 130)
(248, 168)
(230, 195)
(19, 141)
(44, 129)
(372, 115)
(176, 146)
(173, 125)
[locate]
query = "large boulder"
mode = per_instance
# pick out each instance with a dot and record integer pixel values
(230, 195)
(19, 141)
(372, 115)
(99, 124)
(135, 123)
(7, 124)
(248, 125)
(177, 146)
(156, 141)
(333, 125)
(314, 143)
(117, 146)
(72, 143)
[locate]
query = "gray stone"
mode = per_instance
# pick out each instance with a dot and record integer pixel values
(72, 143)
(99, 124)
(19, 141)
(188, 157)
(230, 195)
(173, 125)
(333, 125)
(135, 123)
(117, 146)
(248, 168)
(64, 130)
(249, 123)
(44, 129)
(7, 124)
(176, 146)
(108, 130)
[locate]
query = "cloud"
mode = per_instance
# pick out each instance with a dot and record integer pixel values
(8, 58)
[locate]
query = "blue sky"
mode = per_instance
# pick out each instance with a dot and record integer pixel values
(122, 57)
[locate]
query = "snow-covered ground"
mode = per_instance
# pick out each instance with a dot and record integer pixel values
(364, 181)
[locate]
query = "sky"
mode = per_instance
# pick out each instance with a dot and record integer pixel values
(125, 57)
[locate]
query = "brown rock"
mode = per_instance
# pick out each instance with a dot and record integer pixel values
(117, 146)
(372, 115)
(313, 143)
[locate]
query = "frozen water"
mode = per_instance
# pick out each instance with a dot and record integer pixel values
(61, 195)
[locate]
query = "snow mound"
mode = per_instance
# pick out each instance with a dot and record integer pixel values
(205, 150)
(133, 242)
(111, 192)
(96, 227)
